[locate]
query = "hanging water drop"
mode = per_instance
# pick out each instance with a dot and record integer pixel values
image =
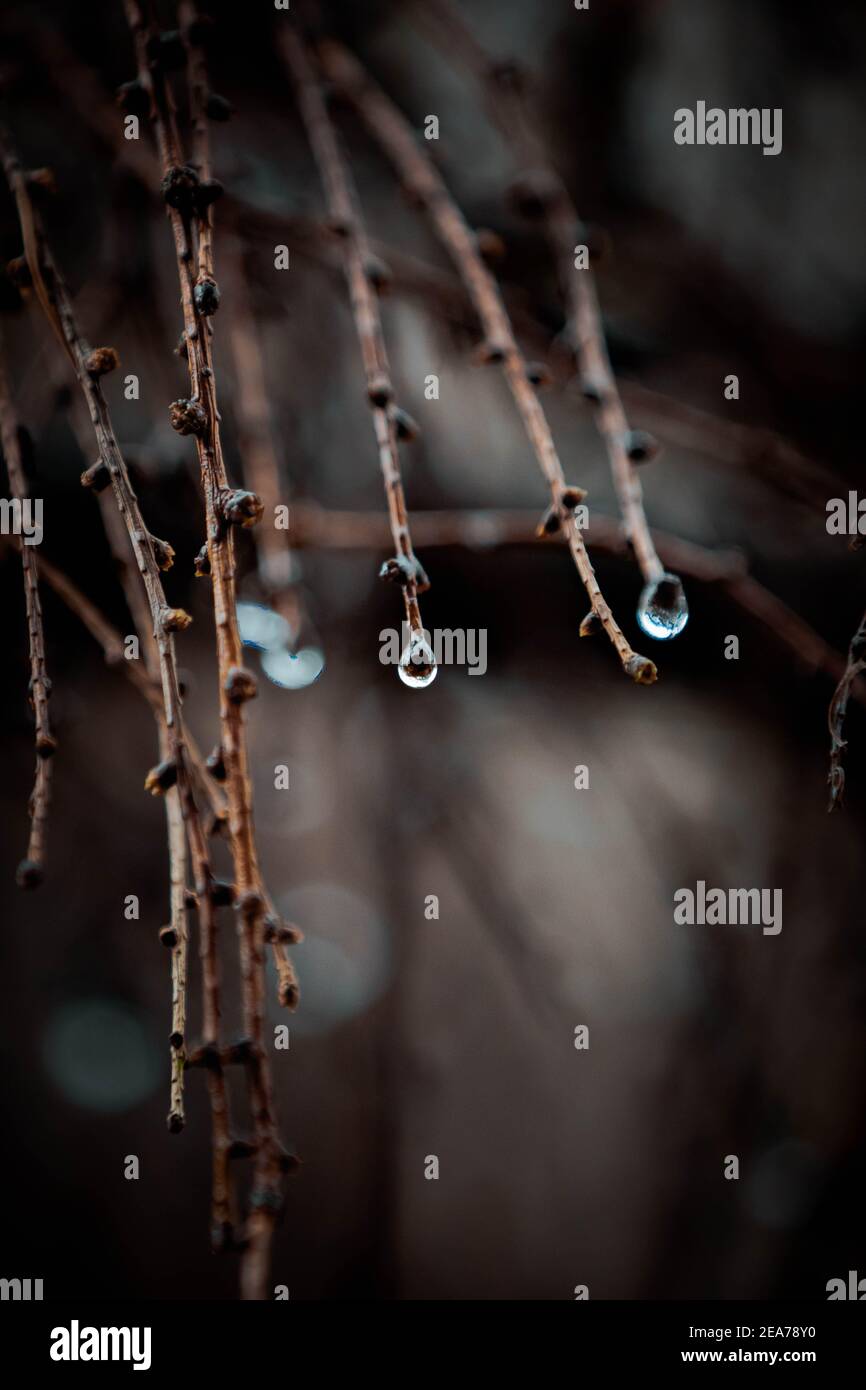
(663, 610)
(417, 664)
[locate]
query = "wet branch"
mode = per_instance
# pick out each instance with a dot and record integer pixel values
(359, 266)
(427, 188)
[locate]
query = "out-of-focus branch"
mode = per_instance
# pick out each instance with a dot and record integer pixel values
(177, 933)
(151, 555)
(31, 869)
(838, 710)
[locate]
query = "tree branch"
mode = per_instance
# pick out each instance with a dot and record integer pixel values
(427, 188)
(31, 869)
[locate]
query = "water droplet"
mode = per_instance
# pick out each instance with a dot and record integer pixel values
(417, 664)
(261, 627)
(663, 610)
(293, 670)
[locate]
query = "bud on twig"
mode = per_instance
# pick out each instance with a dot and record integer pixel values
(179, 188)
(592, 389)
(281, 933)
(571, 497)
(207, 297)
(490, 245)
(161, 778)
(538, 374)
(641, 669)
(640, 445)
(46, 746)
(163, 553)
(240, 685)
(550, 522)
(406, 426)
(380, 391)
(378, 273)
(215, 764)
(187, 417)
(402, 570)
(102, 360)
(29, 874)
(97, 476)
(175, 620)
(241, 508)
(489, 353)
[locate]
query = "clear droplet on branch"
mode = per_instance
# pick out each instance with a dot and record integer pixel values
(663, 610)
(417, 664)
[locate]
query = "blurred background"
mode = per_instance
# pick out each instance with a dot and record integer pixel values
(454, 1037)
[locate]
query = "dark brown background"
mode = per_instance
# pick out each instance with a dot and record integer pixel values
(455, 1037)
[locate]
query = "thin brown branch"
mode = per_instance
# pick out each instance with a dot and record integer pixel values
(198, 89)
(263, 473)
(345, 216)
(539, 186)
(177, 931)
(760, 451)
(768, 455)
(188, 198)
(149, 554)
(325, 528)
(31, 869)
(428, 189)
(838, 710)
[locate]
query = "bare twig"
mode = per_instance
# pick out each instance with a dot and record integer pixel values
(263, 468)
(150, 554)
(727, 443)
(540, 190)
(31, 869)
(763, 452)
(427, 188)
(176, 934)
(189, 193)
(345, 216)
(325, 528)
(838, 710)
